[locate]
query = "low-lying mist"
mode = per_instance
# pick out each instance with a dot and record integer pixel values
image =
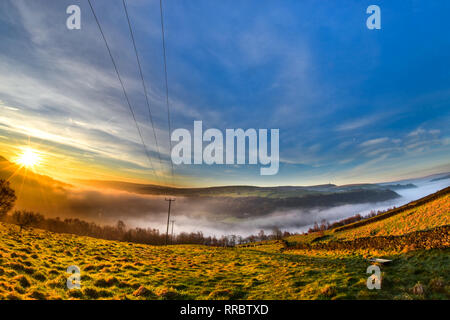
(212, 216)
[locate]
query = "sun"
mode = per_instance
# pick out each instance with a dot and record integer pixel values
(29, 158)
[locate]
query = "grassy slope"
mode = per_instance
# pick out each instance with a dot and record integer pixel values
(432, 214)
(427, 216)
(33, 266)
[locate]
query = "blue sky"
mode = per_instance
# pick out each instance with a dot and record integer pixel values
(352, 104)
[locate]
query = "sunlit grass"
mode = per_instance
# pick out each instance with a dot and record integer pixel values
(33, 265)
(427, 216)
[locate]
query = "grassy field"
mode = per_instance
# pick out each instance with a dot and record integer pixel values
(430, 215)
(33, 265)
(435, 213)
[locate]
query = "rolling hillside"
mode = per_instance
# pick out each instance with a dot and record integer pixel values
(33, 265)
(422, 215)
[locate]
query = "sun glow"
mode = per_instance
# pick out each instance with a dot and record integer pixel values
(29, 158)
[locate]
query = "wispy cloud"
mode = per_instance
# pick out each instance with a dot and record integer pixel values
(374, 142)
(357, 123)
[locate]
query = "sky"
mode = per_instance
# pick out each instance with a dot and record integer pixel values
(351, 104)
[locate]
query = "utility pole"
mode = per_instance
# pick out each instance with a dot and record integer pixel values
(171, 238)
(168, 219)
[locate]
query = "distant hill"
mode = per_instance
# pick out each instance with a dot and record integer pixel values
(241, 201)
(278, 192)
(399, 186)
(441, 178)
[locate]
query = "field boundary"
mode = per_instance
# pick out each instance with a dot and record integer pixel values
(436, 238)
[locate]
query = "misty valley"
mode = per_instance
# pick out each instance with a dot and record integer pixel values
(216, 211)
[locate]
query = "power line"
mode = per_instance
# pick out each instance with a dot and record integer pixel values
(143, 81)
(168, 107)
(165, 75)
(123, 88)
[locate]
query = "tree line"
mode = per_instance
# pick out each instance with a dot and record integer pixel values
(325, 225)
(119, 231)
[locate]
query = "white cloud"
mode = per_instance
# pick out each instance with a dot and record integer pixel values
(416, 132)
(357, 124)
(374, 142)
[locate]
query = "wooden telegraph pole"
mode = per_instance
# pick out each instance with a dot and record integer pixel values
(168, 219)
(171, 238)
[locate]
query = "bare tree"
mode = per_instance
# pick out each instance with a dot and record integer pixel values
(261, 235)
(277, 234)
(26, 218)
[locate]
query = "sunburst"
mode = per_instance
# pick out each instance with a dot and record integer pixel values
(29, 158)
